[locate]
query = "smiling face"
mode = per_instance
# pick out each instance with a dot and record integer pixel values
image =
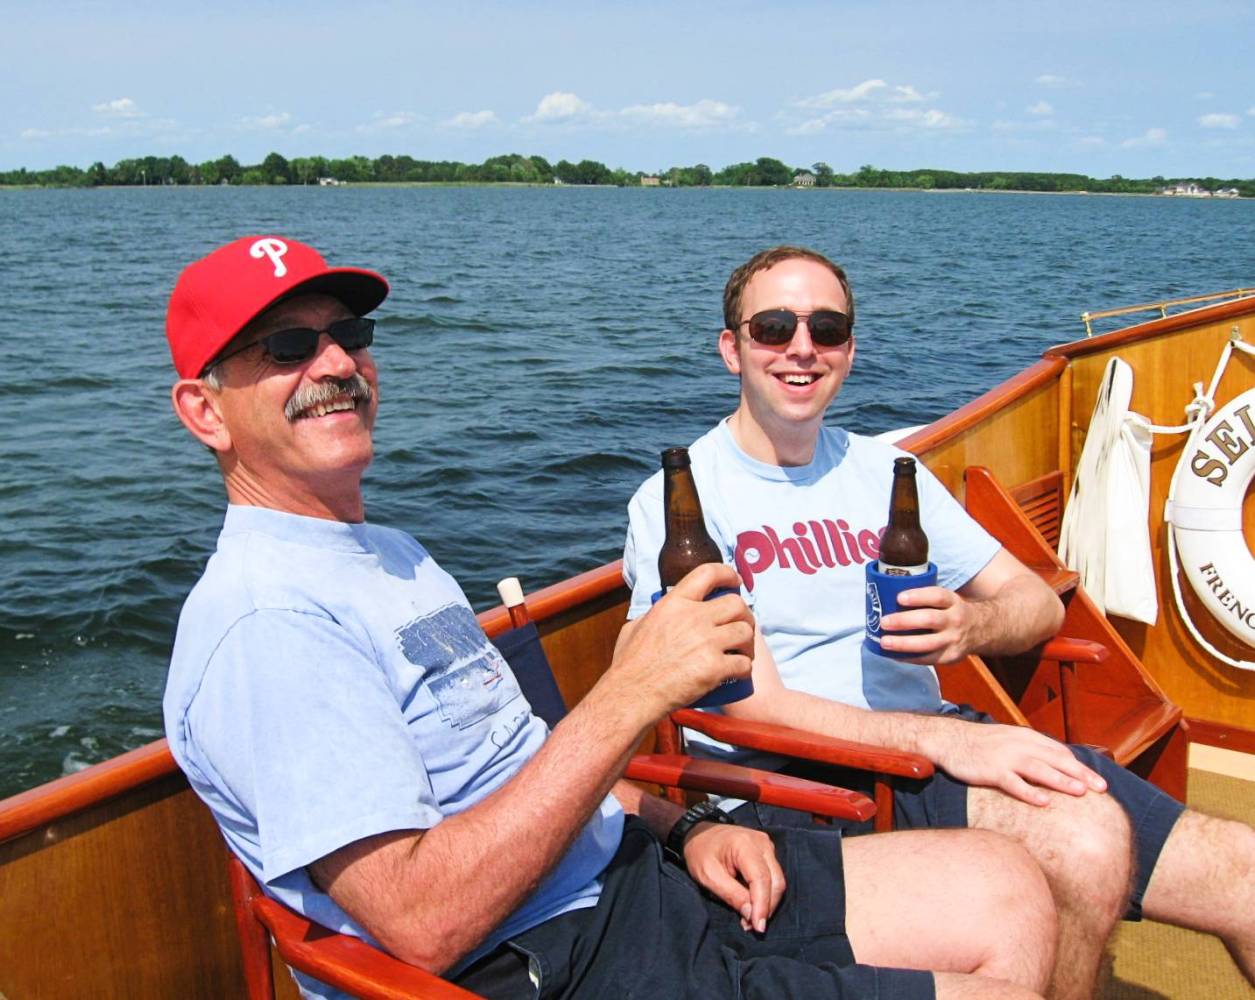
(786, 390)
(291, 437)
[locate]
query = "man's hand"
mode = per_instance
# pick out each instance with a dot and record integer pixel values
(685, 646)
(952, 626)
(1019, 761)
(739, 866)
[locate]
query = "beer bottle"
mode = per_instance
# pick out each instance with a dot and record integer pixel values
(688, 545)
(904, 546)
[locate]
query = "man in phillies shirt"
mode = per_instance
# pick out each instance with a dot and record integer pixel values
(798, 508)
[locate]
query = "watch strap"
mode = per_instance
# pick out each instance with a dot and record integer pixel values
(703, 812)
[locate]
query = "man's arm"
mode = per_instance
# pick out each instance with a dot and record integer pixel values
(735, 863)
(1019, 761)
(1005, 608)
(431, 896)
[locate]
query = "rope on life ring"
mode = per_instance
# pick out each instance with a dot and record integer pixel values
(1204, 514)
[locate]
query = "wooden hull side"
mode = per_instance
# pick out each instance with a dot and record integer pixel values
(121, 898)
(113, 881)
(1168, 357)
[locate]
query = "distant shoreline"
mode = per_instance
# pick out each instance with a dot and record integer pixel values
(704, 187)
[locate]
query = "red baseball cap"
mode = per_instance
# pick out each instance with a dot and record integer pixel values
(219, 295)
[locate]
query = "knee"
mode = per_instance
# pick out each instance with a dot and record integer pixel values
(1019, 912)
(1094, 843)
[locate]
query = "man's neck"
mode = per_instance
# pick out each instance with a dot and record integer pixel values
(344, 504)
(788, 447)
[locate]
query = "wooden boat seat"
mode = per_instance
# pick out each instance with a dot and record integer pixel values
(358, 968)
(1070, 692)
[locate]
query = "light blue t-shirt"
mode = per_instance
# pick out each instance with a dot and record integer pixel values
(330, 682)
(800, 538)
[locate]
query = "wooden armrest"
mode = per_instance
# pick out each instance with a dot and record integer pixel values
(1141, 728)
(1069, 650)
(750, 784)
(346, 962)
(1060, 579)
(807, 746)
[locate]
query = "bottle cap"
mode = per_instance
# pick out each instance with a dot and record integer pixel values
(511, 591)
(676, 458)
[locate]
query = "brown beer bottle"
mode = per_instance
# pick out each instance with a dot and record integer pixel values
(688, 545)
(904, 546)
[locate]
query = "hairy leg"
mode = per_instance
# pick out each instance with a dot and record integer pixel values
(1084, 847)
(1205, 880)
(962, 901)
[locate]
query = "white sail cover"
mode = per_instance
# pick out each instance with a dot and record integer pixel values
(1106, 534)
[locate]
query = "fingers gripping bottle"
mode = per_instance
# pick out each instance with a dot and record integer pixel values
(903, 562)
(688, 545)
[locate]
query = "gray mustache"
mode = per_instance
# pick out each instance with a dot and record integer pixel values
(355, 387)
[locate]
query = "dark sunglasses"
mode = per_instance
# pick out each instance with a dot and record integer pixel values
(291, 347)
(775, 327)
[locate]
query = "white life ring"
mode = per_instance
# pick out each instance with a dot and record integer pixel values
(1204, 511)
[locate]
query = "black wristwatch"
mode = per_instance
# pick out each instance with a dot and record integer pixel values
(703, 812)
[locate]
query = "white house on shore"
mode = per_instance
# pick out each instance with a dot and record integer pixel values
(804, 180)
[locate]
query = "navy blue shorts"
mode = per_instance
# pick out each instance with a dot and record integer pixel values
(940, 803)
(655, 934)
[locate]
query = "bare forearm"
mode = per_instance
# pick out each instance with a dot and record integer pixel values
(451, 886)
(657, 813)
(798, 710)
(1023, 613)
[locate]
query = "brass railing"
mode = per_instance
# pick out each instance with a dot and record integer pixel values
(1088, 317)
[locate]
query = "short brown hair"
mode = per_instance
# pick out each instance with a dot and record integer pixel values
(764, 259)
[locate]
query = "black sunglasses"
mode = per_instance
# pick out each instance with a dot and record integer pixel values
(291, 347)
(775, 327)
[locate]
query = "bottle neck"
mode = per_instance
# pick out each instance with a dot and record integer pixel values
(680, 499)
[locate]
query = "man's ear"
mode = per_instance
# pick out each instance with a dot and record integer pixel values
(729, 351)
(200, 410)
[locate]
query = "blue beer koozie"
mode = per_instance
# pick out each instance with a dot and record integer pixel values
(729, 691)
(882, 593)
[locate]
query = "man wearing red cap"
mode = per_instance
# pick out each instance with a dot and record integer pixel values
(369, 756)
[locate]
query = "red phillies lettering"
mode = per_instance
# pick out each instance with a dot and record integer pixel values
(814, 545)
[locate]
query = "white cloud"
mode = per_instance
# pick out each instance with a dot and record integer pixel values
(1218, 120)
(122, 107)
(35, 133)
(931, 119)
(1041, 109)
(908, 93)
(274, 120)
(703, 114)
(861, 92)
(383, 121)
(560, 106)
(473, 119)
(1151, 137)
(872, 104)
(1204, 95)
(1054, 80)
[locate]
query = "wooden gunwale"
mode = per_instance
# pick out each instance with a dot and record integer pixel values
(48, 803)
(1038, 374)
(1168, 324)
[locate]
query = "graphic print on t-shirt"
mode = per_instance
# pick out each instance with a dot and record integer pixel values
(463, 669)
(814, 545)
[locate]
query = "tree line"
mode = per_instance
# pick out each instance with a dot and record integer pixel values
(515, 168)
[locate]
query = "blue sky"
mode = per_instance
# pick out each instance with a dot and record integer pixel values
(1100, 88)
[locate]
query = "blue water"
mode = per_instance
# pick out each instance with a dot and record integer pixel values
(540, 347)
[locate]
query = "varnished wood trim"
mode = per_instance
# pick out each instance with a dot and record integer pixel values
(751, 784)
(32, 809)
(1221, 734)
(559, 597)
(807, 746)
(1169, 324)
(965, 417)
